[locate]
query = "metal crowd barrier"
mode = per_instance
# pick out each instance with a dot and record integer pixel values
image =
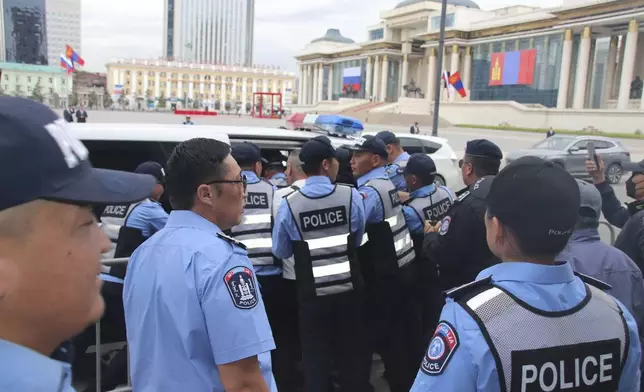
(128, 387)
(611, 229)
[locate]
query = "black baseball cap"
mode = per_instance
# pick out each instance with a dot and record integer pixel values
(152, 168)
(634, 167)
(371, 144)
(420, 165)
(40, 159)
(387, 137)
(483, 148)
(247, 153)
(538, 200)
(316, 150)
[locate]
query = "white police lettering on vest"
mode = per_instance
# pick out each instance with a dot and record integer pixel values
(437, 211)
(256, 200)
(587, 367)
(116, 211)
(322, 219)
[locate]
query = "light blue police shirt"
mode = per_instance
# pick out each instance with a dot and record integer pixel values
(551, 288)
(285, 229)
(279, 176)
(393, 173)
(266, 270)
(149, 217)
(25, 370)
(414, 223)
(372, 204)
(191, 303)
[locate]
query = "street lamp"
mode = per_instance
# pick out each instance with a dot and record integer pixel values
(439, 66)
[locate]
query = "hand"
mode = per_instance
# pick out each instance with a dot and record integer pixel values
(403, 196)
(638, 180)
(597, 173)
(432, 228)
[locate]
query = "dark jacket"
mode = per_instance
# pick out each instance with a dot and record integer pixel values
(460, 248)
(81, 116)
(631, 239)
(68, 116)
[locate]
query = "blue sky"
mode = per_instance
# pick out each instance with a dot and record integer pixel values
(133, 28)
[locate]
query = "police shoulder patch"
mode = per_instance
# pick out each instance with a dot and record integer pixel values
(441, 348)
(240, 282)
(231, 240)
(444, 228)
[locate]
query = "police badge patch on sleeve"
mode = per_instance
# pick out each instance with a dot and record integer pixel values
(445, 225)
(240, 282)
(440, 350)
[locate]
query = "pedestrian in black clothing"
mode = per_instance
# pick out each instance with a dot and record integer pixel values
(68, 114)
(81, 115)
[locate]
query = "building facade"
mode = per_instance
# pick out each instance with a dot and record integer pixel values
(24, 31)
(53, 83)
(147, 83)
(63, 28)
(209, 31)
(90, 89)
(587, 54)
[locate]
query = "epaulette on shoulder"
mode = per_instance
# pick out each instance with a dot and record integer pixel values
(231, 240)
(593, 282)
(459, 292)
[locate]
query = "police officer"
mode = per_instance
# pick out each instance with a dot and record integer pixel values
(274, 172)
(321, 225)
(457, 244)
(143, 218)
(530, 324)
(188, 121)
(427, 202)
(345, 175)
(195, 319)
(50, 244)
(386, 259)
(396, 157)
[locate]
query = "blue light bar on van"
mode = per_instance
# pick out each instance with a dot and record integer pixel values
(334, 124)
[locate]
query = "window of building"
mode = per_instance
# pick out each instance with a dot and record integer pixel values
(6, 77)
(449, 21)
(376, 34)
(51, 90)
(51, 80)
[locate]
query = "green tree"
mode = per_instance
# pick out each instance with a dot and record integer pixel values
(107, 99)
(217, 105)
(121, 100)
(228, 106)
(55, 100)
(18, 91)
(162, 101)
(73, 99)
(249, 106)
(92, 100)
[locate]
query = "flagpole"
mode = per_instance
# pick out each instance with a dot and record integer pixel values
(439, 68)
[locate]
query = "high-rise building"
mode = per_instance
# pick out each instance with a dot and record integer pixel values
(24, 31)
(209, 31)
(63, 28)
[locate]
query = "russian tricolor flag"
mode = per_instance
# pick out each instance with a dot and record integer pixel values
(66, 64)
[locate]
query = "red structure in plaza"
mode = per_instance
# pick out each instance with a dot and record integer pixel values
(265, 105)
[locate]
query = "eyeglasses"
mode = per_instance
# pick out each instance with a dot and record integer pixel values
(461, 163)
(242, 181)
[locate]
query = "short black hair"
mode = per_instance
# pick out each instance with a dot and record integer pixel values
(484, 166)
(191, 164)
(426, 178)
(312, 169)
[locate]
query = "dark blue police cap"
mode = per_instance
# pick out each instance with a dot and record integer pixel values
(247, 153)
(152, 168)
(316, 150)
(483, 148)
(387, 137)
(419, 164)
(40, 159)
(373, 145)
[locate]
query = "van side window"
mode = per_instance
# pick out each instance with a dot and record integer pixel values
(126, 155)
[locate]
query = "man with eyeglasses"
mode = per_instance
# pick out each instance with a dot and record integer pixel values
(457, 245)
(194, 316)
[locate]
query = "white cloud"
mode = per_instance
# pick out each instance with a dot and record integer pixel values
(134, 28)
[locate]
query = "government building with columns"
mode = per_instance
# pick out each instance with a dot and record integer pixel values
(145, 82)
(589, 54)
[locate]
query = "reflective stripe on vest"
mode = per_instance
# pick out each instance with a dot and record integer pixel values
(325, 225)
(256, 227)
(579, 350)
(432, 207)
(393, 215)
(288, 264)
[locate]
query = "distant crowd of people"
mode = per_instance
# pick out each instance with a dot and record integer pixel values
(70, 111)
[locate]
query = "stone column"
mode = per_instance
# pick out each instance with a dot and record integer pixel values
(305, 91)
(329, 84)
(467, 69)
(376, 79)
(157, 82)
(314, 97)
(385, 77)
(620, 62)
(405, 71)
(454, 66)
(431, 74)
(581, 76)
(300, 84)
(611, 62)
(244, 94)
(233, 95)
(628, 65)
(564, 78)
(320, 82)
(419, 71)
(368, 83)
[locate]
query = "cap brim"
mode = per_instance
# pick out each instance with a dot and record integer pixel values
(634, 167)
(100, 186)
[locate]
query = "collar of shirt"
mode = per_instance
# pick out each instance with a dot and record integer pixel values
(21, 366)
(314, 180)
(529, 273)
(299, 183)
(184, 218)
(278, 175)
(379, 172)
(423, 191)
(585, 235)
(402, 157)
(251, 177)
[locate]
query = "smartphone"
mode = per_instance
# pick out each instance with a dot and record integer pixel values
(591, 153)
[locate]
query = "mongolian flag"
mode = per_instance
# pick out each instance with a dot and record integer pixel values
(455, 80)
(66, 64)
(513, 68)
(73, 56)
